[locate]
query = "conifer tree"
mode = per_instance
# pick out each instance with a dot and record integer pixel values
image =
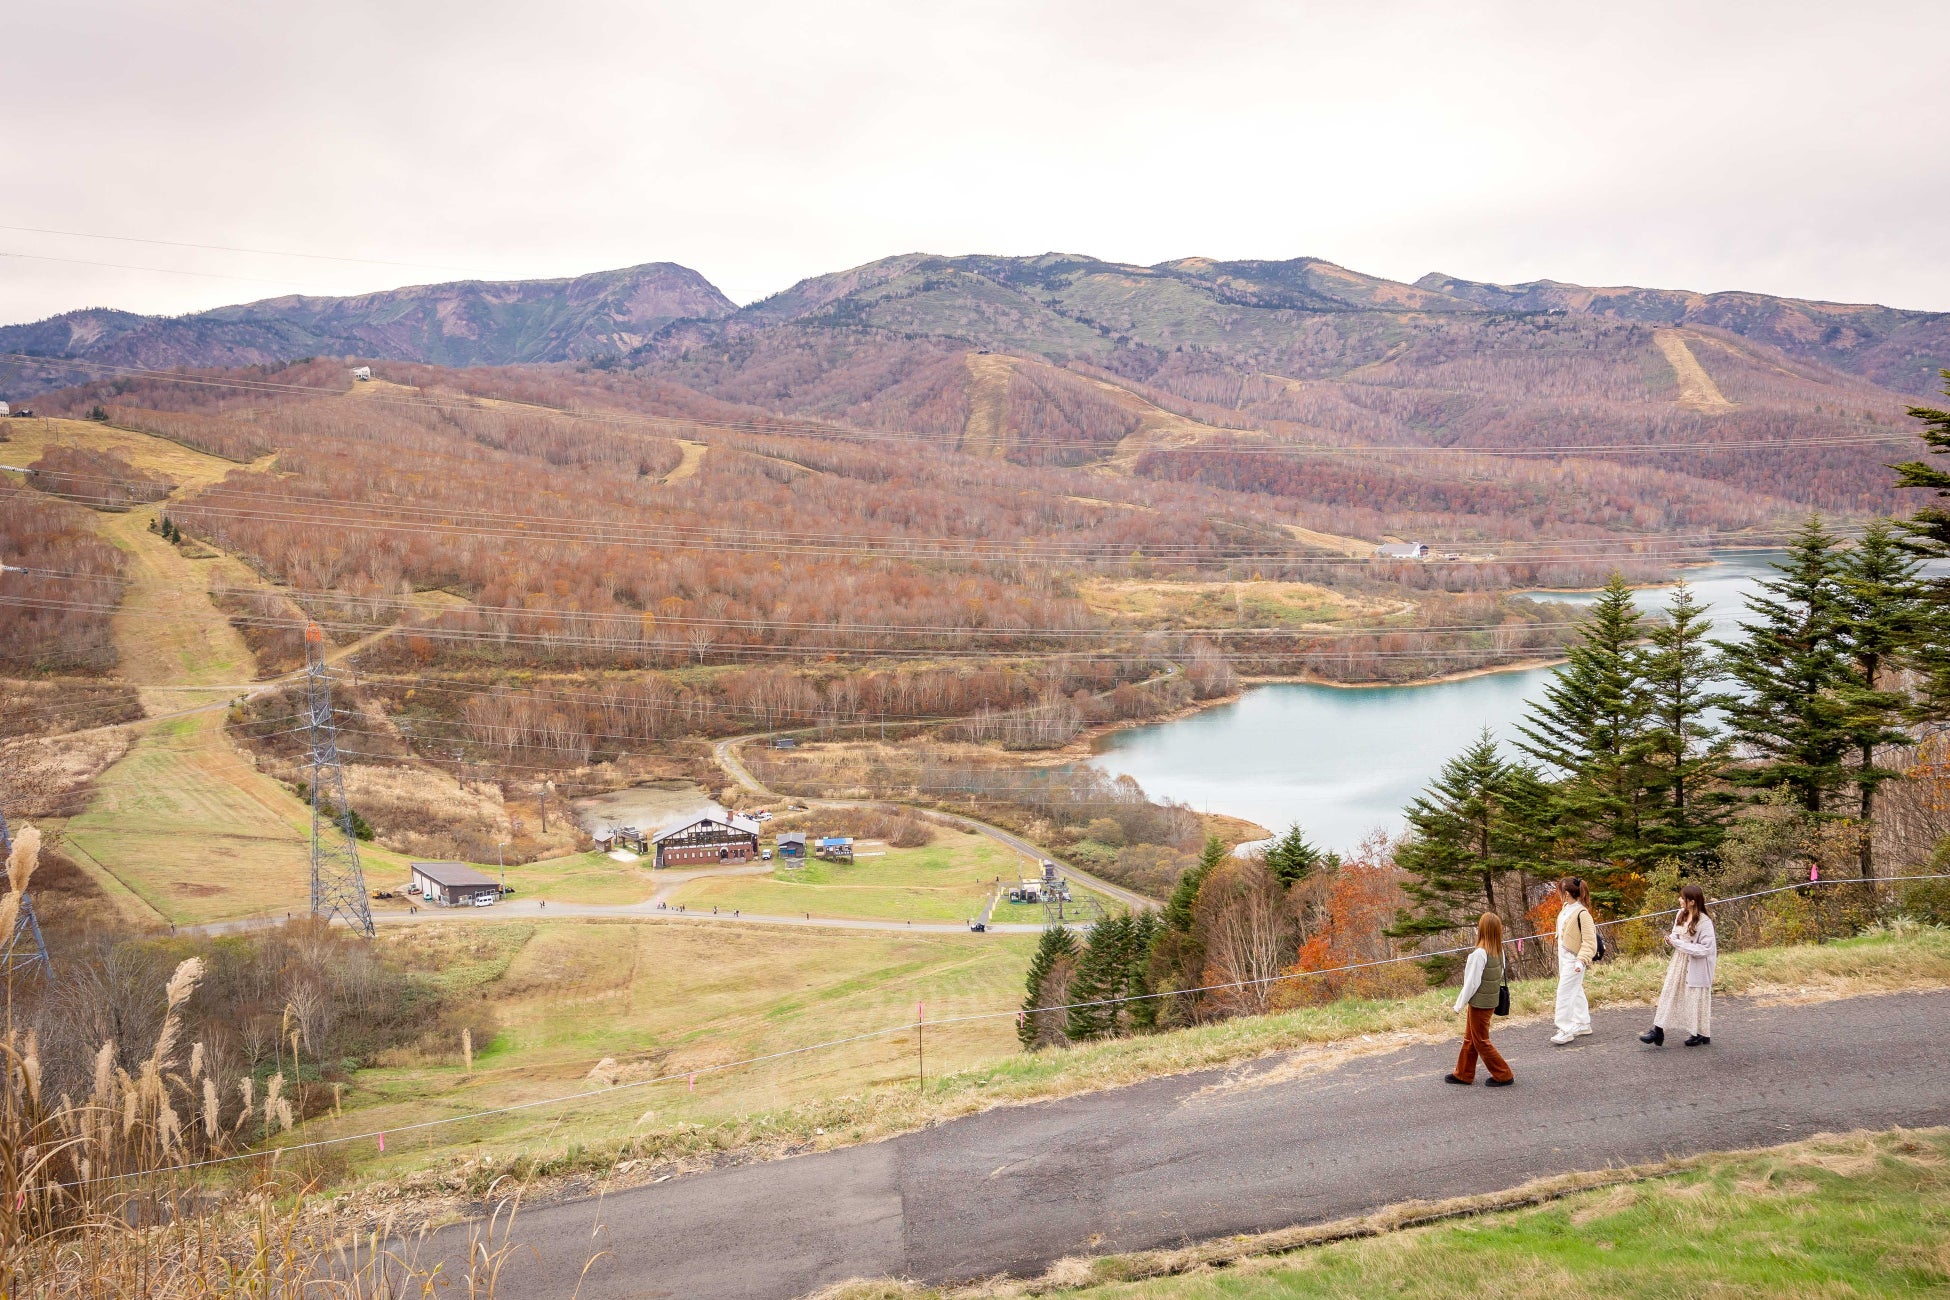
(1685, 817)
(1463, 835)
(1591, 733)
(1791, 670)
(1141, 1012)
(1928, 535)
(1883, 618)
(1103, 973)
(1291, 859)
(1929, 528)
(1055, 953)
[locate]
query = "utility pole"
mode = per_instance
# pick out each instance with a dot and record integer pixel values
(502, 863)
(546, 787)
(338, 886)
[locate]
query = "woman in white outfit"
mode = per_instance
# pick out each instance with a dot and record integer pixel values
(1577, 944)
(1686, 1001)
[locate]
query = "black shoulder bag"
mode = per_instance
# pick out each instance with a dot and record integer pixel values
(1503, 991)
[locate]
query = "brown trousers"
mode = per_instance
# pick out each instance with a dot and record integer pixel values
(1476, 1042)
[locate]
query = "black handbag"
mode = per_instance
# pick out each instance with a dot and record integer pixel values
(1600, 954)
(1503, 992)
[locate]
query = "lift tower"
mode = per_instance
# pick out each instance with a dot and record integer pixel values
(338, 887)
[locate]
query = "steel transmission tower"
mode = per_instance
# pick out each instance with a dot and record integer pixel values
(338, 887)
(24, 950)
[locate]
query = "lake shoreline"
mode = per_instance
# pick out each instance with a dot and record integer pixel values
(1087, 743)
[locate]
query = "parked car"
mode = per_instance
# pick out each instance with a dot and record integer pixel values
(765, 855)
(484, 900)
(978, 927)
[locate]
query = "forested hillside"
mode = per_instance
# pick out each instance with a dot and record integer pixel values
(466, 323)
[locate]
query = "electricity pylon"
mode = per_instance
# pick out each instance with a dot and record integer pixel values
(338, 886)
(25, 949)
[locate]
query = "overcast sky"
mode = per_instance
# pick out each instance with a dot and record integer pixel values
(1789, 147)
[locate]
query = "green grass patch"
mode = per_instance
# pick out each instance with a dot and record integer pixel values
(947, 881)
(581, 878)
(1861, 1215)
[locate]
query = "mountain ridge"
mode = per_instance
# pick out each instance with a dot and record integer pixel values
(1063, 306)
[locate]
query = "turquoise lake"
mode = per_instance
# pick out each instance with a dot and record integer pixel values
(1345, 761)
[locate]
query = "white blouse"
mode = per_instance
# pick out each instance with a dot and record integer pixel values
(1479, 961)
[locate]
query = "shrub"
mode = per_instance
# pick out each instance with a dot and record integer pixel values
(1928, 900)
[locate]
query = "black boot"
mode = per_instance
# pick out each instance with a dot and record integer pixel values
(1655, 1036)
(1697, 1040)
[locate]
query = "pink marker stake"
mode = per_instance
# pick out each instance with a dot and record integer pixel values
(382, 1143)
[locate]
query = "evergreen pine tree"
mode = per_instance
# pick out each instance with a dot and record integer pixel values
(1291, 859)
(1590, 732)
(1461, 840)
(1103, 971)
(1685, 818)
(1057, 947)
(1883, 618)
(1141, 1012)
(1929, 528)
(1791, 670)
(1184, 895)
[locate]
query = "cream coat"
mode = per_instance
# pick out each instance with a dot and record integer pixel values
(1702, 949)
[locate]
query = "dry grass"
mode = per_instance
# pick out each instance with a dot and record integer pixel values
(1697, 391)
(1244, 604)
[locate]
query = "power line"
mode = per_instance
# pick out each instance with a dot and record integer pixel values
(230, 248)
(154, 270)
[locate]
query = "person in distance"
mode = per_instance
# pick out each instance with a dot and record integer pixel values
(1686, 1001)
(1482, 988)
(1577, 944)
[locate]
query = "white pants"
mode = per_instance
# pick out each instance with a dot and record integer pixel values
(1573, 1012)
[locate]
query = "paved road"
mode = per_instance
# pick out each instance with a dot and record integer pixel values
(1199, 1156)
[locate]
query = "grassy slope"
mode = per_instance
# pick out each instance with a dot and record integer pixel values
(949, 880)
(1858, 1215)
(662, 997)
(672, 998)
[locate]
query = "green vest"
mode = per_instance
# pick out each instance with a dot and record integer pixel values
(1485, 995)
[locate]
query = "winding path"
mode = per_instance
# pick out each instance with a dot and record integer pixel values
(1258, 1147)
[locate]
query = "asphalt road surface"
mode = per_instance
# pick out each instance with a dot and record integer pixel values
(1249, 1149)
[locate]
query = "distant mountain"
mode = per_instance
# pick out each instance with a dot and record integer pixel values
(1900, 350)
(465, 323)
(1075, 307)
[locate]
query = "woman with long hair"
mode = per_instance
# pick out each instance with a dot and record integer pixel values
(1482, 982)
(1577, 945)
(1686, 1001)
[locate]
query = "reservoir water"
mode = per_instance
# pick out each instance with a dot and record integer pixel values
(1344, 761)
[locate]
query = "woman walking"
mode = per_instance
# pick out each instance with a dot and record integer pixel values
(1577, 944)
(1482, 982)
(1686, 1001)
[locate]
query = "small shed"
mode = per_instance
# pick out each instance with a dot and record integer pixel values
(3, 409)
(730, 838)
(453, 884)
(362, 373)
(792, 844)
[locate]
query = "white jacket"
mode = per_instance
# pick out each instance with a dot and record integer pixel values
(1702, 950)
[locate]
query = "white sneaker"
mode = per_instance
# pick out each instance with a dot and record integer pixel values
(1562, 1039)
(1584, 1032)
